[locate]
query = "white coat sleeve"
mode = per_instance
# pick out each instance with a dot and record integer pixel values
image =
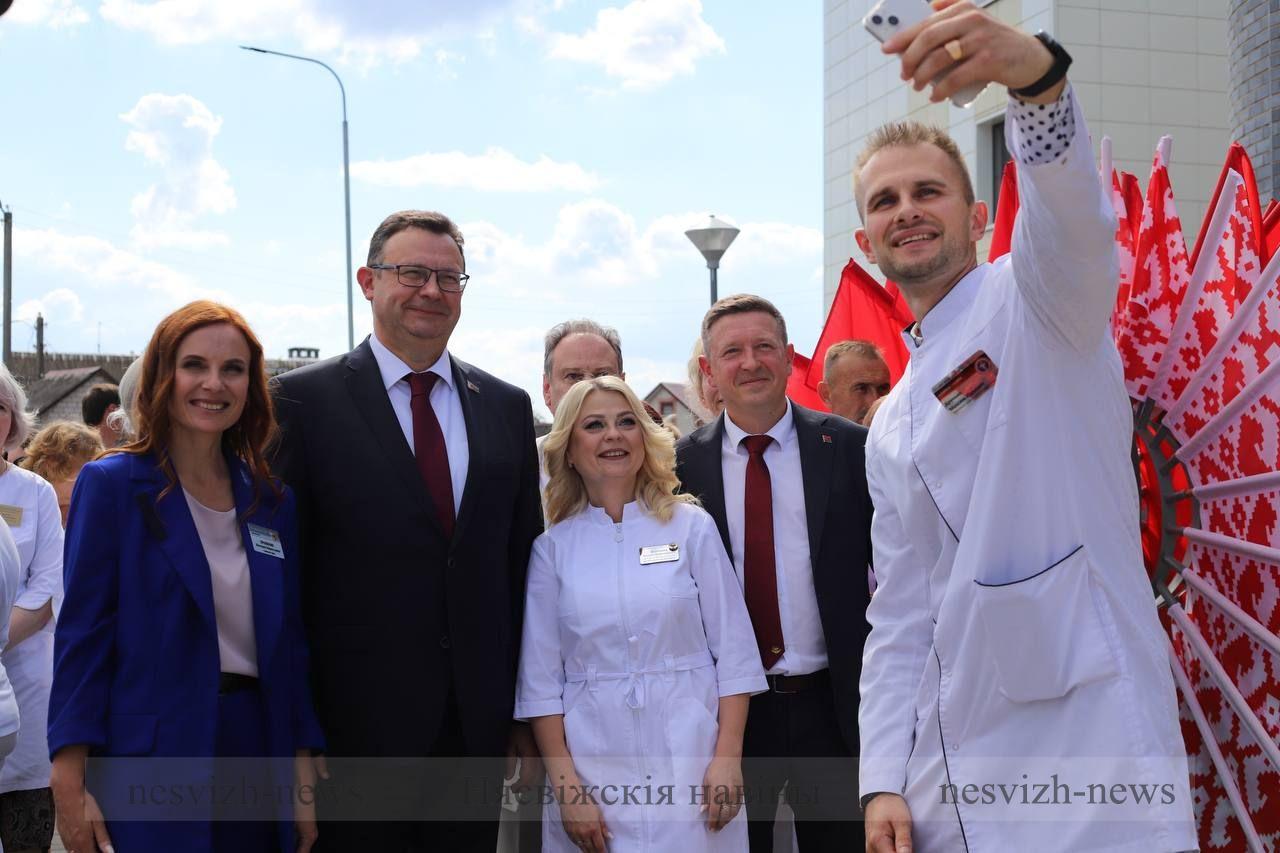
(1064, 248)
(724, 612)
(896, 650)
(540, 684)
(42, 579)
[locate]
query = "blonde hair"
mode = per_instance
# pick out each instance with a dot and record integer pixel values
(14, 398)
(60, 449)
(656, 482)
(908, 134)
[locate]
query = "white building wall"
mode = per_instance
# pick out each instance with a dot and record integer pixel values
(1142, 68)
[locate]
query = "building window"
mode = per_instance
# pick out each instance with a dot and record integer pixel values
(667, 408)
(999, 157)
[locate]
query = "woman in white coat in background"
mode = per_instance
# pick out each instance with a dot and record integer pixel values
(638, 657)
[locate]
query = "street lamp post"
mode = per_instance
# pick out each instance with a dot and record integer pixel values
(712, 240)
(346, 179)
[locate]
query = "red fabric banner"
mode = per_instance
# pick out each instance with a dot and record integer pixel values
(862, 310)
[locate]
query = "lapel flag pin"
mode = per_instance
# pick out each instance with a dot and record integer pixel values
(471, 386)
(826, 439)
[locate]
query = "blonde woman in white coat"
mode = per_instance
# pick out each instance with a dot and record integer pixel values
(638, 656)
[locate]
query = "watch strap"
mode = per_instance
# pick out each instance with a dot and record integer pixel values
(1058, 70)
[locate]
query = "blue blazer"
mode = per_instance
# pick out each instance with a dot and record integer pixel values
(136, 661)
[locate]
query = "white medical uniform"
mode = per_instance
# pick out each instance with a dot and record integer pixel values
(636, 657)
(30, 663)
(1015, 638)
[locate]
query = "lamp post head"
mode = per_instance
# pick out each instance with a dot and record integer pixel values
(712, 239)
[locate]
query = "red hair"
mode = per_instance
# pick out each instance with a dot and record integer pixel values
(250, 435)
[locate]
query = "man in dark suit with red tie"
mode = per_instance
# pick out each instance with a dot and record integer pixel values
(787, 488)
(417, 486)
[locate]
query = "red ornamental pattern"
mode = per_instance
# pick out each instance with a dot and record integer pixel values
(1201, 348)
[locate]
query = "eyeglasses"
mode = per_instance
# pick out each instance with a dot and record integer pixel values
(412, 275)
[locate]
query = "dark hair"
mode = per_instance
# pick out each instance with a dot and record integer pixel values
(741, 303)
(250, 435)
(427, 220)
(93, 408)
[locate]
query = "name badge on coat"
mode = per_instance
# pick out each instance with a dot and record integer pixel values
(266, 541)
(650, 554)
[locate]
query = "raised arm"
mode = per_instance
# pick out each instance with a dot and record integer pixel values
(1063, 255)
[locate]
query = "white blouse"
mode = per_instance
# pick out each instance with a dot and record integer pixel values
(232, 590)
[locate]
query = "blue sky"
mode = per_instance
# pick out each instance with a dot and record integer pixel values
(148, 161)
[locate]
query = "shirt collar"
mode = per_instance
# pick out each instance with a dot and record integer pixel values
(393, 368)
(957, 300)
(781, 432)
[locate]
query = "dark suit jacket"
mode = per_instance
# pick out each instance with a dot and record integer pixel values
(839, 511)
(398, 615)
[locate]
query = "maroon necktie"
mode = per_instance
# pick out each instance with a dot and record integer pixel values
(429, 448)
(758, 567)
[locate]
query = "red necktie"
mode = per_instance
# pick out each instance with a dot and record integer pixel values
(430, 450)
(758, 567)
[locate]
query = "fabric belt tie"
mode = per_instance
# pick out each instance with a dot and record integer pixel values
(635, 693)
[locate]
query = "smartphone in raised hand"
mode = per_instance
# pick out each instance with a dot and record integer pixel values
(889, 17)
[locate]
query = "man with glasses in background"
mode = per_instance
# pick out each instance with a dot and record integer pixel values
(417, 489)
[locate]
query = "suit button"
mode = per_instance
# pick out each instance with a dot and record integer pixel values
(445, 642)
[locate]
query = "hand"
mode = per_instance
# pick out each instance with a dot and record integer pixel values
(722, 794)
(521, 745)
(305, 770)
(888, 822)
(584, 824)
(992, 51)
(80, 823)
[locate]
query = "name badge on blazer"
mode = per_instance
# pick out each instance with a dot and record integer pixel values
(12, 515)
(266, 541)
(975, 377)
(650, 554)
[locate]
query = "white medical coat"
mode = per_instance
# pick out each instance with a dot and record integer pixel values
(636, 658)
(1014, 635)
(30, 663)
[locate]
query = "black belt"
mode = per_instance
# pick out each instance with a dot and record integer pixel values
(798, 683)
(234, 682)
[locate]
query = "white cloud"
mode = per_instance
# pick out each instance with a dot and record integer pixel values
(58, 14)
(644, 44)
(59, 305)
(364, 34)
(130, 293)
(496, 170)
(446, 60)
(175, 133)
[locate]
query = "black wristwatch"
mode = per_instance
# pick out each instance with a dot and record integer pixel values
(1058, 70)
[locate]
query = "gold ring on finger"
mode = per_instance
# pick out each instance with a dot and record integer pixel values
(954, 49)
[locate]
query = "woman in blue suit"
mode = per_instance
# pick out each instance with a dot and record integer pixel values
(179, 644)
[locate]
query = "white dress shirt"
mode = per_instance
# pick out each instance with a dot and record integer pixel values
(804, 643)
(1014, 635)
(444, 401)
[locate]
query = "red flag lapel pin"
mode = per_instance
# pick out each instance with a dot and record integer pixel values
(826, 439)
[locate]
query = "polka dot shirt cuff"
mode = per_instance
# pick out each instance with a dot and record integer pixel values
(1042, 133)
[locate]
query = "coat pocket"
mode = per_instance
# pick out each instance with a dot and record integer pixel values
(1044, 632)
